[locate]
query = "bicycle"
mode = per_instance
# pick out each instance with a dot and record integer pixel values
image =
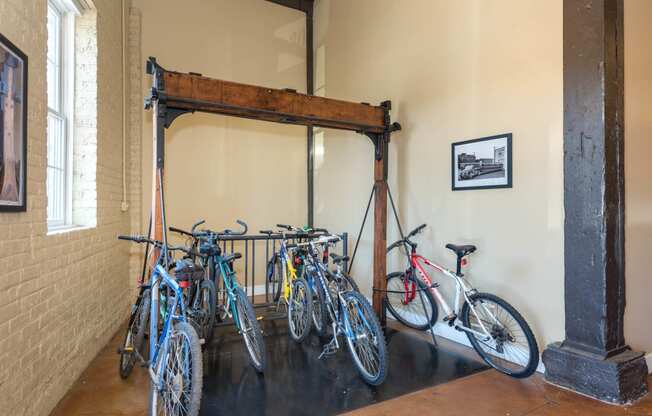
(288, 287)
(199, 289)
(495, 329)
(175, 360)
(232, 302)
(350, 315)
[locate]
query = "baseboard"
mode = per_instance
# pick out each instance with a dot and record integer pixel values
(443, 330)
(648, 360)
(258, 290)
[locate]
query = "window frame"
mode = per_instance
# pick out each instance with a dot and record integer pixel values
(66, 81)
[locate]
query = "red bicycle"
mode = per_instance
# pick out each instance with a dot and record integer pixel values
(495, 329)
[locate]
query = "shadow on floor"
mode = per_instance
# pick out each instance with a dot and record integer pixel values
(296, 382)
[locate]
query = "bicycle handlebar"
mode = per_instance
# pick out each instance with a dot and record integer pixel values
(180, 231)
(195, 225)
(416, 230)
(407, 240)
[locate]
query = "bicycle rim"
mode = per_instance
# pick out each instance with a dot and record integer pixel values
(509, 348)
(248, 330)
(364, 342)
(177, 396)
(299, 310)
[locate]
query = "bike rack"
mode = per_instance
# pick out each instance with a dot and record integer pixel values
(174, 94)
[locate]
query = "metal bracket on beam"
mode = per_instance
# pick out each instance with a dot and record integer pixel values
(171, 114)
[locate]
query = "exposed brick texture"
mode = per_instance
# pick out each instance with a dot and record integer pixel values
(62, 296)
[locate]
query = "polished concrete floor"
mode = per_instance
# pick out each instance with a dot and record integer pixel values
(296, 382)
(492, 394)
(100, 391)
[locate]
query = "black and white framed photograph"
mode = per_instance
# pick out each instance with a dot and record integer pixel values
(13, 127)
(482, 163)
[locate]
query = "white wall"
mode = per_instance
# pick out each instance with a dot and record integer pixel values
(454, 71)
(638, 172)
(220, 168)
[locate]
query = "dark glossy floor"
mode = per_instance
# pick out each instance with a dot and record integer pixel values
(296, 382)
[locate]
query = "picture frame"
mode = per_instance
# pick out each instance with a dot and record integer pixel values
(13, 127)
(484, 163)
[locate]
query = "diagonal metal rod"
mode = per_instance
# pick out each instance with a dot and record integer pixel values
(398, 222)
(364, 220)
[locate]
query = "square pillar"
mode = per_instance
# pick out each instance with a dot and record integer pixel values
(594, 358)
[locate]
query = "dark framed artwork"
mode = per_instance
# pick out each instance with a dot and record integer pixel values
(484, 163)
(13, 127)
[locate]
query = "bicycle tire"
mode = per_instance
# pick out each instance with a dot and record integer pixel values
(208, 309)
(245, 310)
(530, 367)
(374, 332)
(319, 311)
(300, 310)
(135, 336)
(276, 278)
(157, 399)
(410, 317)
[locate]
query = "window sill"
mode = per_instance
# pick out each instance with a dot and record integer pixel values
(67, 229)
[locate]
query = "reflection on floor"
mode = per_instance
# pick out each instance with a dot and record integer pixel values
(296, 382)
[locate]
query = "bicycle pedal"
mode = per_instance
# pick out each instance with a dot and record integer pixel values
(259, 318)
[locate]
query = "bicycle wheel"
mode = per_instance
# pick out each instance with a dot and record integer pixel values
(512, 348)
(133, 342)
(300, 310)
(275, 273)
(250, 330)
(180, 373)
(205, 309)
(319, 311)
(404, 301)
(365, 339)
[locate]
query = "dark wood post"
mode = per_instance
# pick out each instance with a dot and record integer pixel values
(380, 226)
(594, 358)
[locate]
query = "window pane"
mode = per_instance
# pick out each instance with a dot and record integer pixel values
(56, 171)
(54, 59)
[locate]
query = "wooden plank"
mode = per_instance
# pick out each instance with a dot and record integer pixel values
(380, 238)
(190, 91)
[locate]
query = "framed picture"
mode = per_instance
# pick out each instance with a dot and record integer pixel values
(482, 163)
(13, 127)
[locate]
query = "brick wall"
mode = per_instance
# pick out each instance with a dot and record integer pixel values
(61, 296)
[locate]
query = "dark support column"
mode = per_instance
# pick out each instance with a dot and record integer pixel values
(310, 81)
(380, 226)
(594, 358)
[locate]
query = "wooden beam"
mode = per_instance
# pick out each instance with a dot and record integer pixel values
(380, 233)
(196, 92)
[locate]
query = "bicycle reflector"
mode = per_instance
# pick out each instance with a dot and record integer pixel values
(465, 261)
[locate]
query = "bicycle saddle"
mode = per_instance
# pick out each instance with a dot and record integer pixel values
(461, 250)
(338, 259)
(231, 257)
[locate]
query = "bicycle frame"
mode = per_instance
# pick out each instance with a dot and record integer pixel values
(289, 271)
(463, 290)
(230, 285)
(158, 346)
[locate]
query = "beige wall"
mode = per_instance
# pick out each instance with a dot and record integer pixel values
(61, 296)
(454, 71)
(219, 168)
(638, 185)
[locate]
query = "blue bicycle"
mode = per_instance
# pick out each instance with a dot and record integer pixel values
(231, 299)
(175, 360)
(349, 312)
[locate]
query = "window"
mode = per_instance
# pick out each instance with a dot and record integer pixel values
(72, 114)
(59, 86)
